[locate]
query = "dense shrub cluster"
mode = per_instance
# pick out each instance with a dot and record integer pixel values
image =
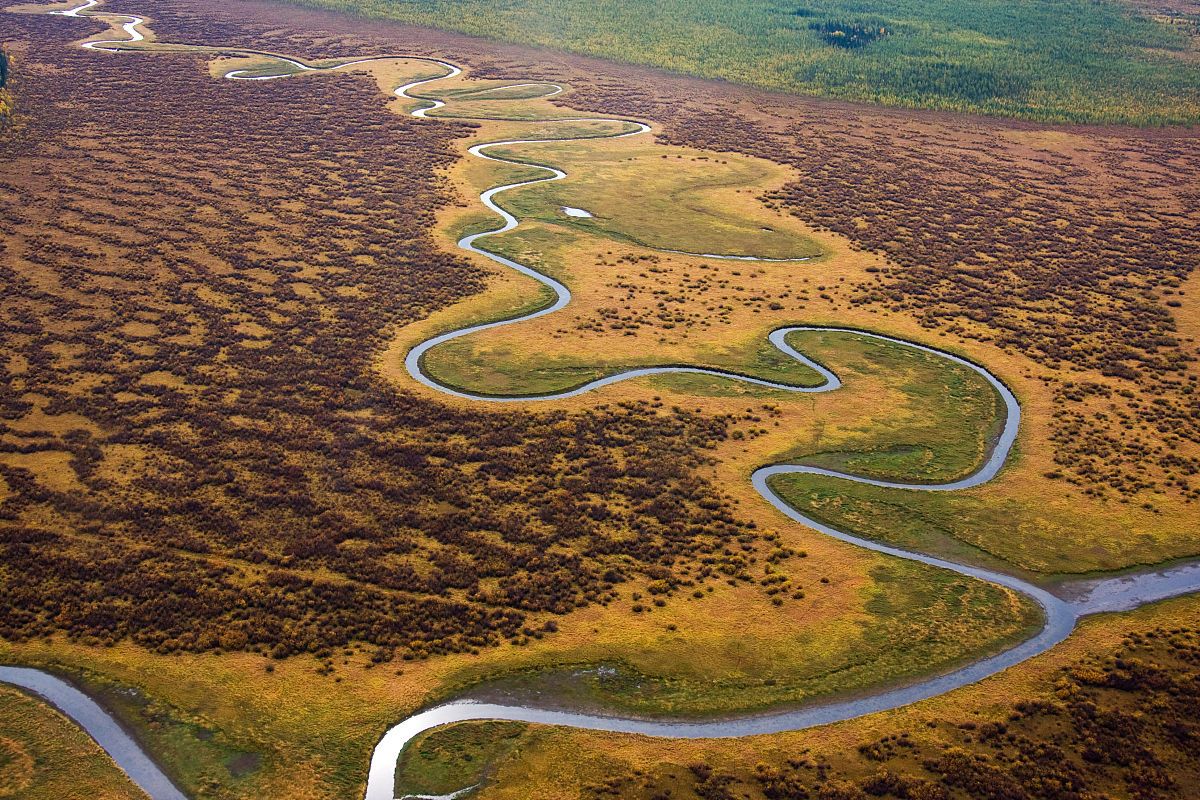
(195, 449)
(1074, 255)
(6, 97)
(1094, 740)
(848, 35)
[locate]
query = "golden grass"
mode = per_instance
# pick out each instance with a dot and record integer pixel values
(33, 736)
(52, 468)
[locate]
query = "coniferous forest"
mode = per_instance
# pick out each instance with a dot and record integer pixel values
(6, 99)
(1061, 61)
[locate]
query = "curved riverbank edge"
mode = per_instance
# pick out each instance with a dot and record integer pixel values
(100, 725)
(1060, 616)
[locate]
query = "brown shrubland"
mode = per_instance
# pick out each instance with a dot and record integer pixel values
(243, 479)
(195, 450)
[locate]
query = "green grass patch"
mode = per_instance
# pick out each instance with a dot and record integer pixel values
(530, 91)
(195, 754)
(535, 246)
(949, 417)
(645, 199)
(502, 374)
(269, 67)
(448, 759)
(476, 222)
(944, 620)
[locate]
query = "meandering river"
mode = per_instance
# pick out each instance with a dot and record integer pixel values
(1059, 615)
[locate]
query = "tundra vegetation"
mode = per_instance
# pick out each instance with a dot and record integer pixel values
(634, 305)
(204, 474)
(1069, 61)
(1104, 363)
(349, 519)
(196, 428)
(228, 510)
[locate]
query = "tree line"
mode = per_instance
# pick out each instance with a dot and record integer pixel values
(1091, 61)
(6, 97)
